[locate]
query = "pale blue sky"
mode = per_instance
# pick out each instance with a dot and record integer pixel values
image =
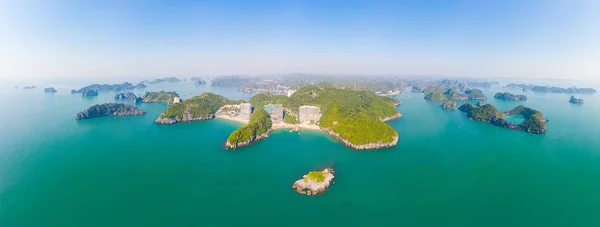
(533, 39)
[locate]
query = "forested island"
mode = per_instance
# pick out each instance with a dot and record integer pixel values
(49, 90)
(443, 94)
(534, 121)
(508, 96)
(355, 117)
(160, 96)
(258, 128)
(109, 87)
(109, 109)
(197, 108)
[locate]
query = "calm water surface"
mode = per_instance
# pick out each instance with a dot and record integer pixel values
(446, 170)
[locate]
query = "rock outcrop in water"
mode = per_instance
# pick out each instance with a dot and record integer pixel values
(29, 87)
(109, 109)
(49, 90)
(575, 100)
(314, 183)
(449, 105)
(508, 96)
(89, 93)
(126, 95)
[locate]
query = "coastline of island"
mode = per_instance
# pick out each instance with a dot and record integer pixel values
(357, 121)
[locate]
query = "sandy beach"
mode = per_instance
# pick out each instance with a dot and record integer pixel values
(276, 125)
(226, 117)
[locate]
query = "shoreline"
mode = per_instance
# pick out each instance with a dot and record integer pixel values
(283, 125)
(245, 122)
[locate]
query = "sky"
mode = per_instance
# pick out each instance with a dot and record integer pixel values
(47, 39)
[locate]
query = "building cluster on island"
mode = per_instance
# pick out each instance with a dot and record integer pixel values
(243, 111)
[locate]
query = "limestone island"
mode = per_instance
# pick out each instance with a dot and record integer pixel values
(168, 79)
(49, 90)
(198, 81)
(109, 109)
(536, 88)
(534, 121)
(168, 97)
(354, 117)
(29, 87)
(575, 100)
(510, 97)
(89, 93)
(108, 87)
(314, 183)
(449, 105)
(443, 94)
(125, 96)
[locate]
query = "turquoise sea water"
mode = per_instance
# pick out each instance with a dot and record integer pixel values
(446, 170)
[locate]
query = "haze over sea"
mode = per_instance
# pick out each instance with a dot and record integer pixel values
(445, 171)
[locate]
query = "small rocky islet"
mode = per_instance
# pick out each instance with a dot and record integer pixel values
(575, 100)
(49, 90)
(109, 109)
(449, 105)
(125, 96)
(314, 182)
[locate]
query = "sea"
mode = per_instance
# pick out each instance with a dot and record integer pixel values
(445, 171)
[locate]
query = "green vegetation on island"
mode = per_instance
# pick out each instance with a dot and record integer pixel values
(509, 96)
(443, 94)
(534, 121)
(202, 107)
(355, 116)
(160, 96)
(258, 127)
(316, 176)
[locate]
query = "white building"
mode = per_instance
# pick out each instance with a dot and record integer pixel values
(176, 100)
(246, 110)
(309, 114)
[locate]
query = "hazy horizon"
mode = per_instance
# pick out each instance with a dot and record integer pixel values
(47, 41)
